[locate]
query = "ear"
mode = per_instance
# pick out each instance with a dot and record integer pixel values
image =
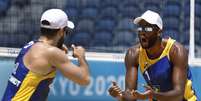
(159, 32)
(61, 31)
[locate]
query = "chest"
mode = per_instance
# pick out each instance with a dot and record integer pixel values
(159, 74)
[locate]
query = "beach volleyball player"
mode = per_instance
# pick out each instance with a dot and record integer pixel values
(162, 61)
(37, 62)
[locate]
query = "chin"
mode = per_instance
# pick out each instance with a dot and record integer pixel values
(144, 46)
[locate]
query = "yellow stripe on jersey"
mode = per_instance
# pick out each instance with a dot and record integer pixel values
(29, 85)
(189, 93)
(144, 60)
(145, 63)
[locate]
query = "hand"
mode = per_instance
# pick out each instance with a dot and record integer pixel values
(138, 95)
(78, 51)
(64, 48)
(144, 95)
(115, 91)
(129, 95)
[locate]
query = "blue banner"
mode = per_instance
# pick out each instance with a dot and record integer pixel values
(102, 74)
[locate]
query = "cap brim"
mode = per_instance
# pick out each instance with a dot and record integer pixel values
(137, 20)
(70, 25)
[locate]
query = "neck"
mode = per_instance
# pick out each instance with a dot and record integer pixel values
(156, 50)
(46, 40)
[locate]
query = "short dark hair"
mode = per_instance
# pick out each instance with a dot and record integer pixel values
(46, 31)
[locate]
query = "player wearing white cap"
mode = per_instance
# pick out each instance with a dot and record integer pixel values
(162, 61)
(38, 61)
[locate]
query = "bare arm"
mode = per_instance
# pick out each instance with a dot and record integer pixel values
(131, 63)
(78, 74)
(179, 58)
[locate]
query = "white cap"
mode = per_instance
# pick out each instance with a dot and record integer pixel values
(150, 17)
(57, 19)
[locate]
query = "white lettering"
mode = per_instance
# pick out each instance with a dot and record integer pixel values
(73, 89)
(14, 81)
(63, 82)
(121, 82)
(100, 85)
(29, 44)
(15, 69)
(110, 79)
(88, 91)
(147, 75)
(52, 88)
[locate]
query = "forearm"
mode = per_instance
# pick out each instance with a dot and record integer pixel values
(126, 99)
(84, 68)
(172, 95)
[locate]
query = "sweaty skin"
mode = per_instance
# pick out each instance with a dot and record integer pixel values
(179, 58)
(38, 61)
(49, 56)
(154, 46)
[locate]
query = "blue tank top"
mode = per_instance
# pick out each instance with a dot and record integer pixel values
(158, 72)
(24, 85)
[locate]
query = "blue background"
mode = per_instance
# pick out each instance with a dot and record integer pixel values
(102, 74)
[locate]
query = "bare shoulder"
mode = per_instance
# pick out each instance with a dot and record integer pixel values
(133, 51)
(179, 54)
(56, 56)
(38, 58)
(132, 55)
(178, 48)
(47, 51)
(53, 50)
(56, 53)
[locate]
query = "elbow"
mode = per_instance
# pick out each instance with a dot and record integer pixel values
(180, 95)
(85, 81)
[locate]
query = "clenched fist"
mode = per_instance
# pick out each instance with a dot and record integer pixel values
(115, 91)
(78, 51)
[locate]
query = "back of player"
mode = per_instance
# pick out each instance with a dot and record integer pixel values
(37, 62)
(24, 85)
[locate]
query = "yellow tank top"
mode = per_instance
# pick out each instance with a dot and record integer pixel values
(158, 72)
(24, 85)
(34, 85)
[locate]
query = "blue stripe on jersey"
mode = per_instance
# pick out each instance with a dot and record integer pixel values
(158, 74)
(10, 92)
(18, 75)
(41, 93)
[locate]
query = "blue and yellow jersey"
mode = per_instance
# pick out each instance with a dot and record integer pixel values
(24, 85)
(158, 72)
